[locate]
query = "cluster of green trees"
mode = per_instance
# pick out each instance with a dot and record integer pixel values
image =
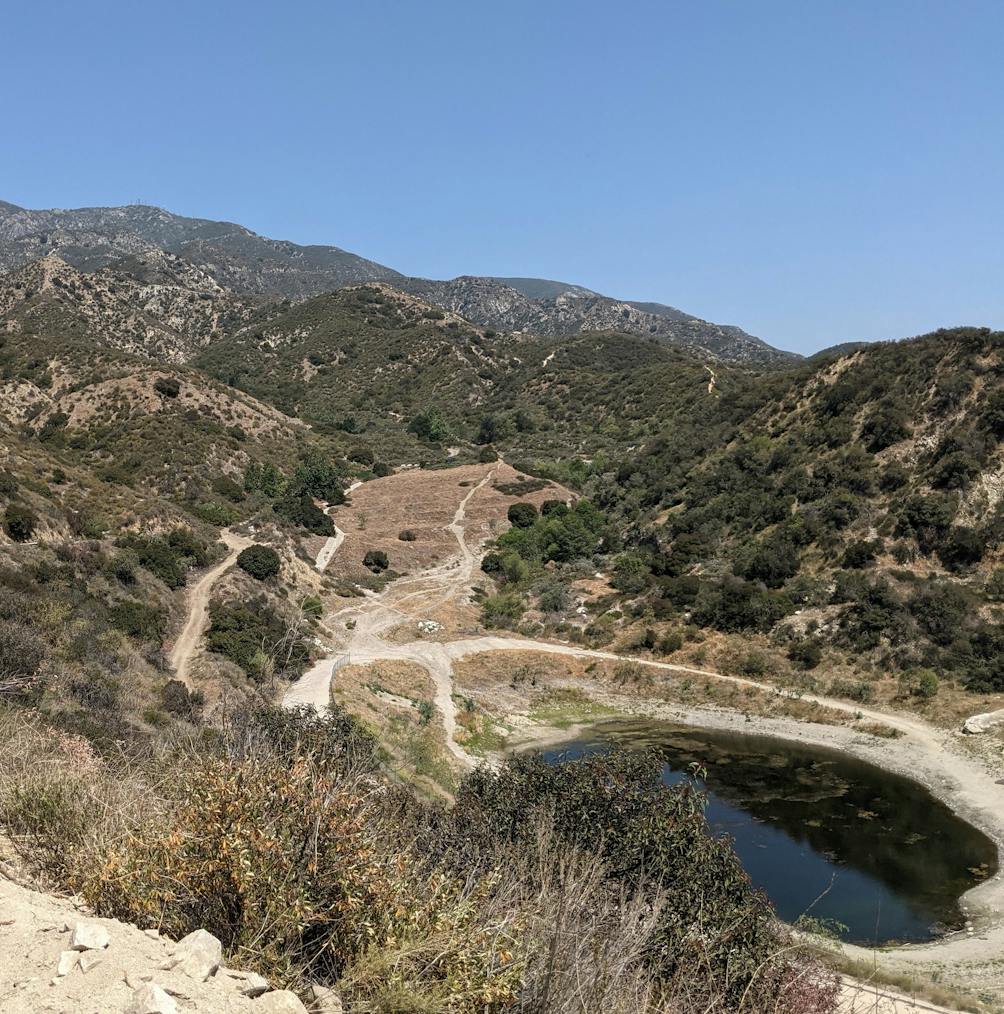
(294, 497)
(556, 534)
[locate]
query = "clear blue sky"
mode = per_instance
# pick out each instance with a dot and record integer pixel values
(812, 170)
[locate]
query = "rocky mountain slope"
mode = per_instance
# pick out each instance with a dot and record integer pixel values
(154, 304)
(254, 266)
(492, 303)
(91, 238)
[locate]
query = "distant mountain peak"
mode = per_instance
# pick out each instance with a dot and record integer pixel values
(140, 239)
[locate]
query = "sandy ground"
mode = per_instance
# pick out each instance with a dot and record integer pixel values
(424, 502)
(198, 596)
(35, 930)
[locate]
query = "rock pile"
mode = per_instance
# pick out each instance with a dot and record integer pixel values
(55, 959)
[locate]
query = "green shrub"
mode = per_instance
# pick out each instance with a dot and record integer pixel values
(503, 610)
(491, 563)
(430, 425)
(805, 653)
(921, 683)
(298, 507)
(19, 523)
(616, 806)
(376, 560)
(670, 642)
(261, 562)
(168, 558)
(138, 619)
(169, 387)
(254, 637)
(407, 535)
(856, 690)
(178, 700)
(522, 515)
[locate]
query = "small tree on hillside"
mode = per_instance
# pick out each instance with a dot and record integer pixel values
(522, 515)
(261, 562)
(19, 523)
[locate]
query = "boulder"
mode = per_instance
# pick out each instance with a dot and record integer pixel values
(151, 999)
(89, 936)
(280, 1001)
(198, 955)
(979, 724)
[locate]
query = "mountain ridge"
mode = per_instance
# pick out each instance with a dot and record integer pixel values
(257, 267)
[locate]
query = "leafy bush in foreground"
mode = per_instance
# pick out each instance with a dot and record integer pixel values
(615, 805)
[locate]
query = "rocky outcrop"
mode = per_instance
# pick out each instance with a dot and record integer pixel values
(55, 957)
(976, 725)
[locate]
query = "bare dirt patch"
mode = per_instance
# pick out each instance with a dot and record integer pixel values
(422, 502)
(394, 699)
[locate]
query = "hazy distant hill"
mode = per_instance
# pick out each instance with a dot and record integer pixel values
(254, 266)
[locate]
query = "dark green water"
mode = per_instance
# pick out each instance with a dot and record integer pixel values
(822, 833)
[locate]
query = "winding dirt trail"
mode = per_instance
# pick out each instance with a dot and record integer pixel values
(198, 607)
(377, 613)
(330, 547)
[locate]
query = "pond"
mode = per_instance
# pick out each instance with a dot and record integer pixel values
(826, 836)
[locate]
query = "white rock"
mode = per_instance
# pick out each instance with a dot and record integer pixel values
(979, 724)
(324, 1000)
(136, 981)
(89, 960)
(151, 999)
(67, 962)
(249, 983)
(281, 1001)
(89, 936)
(198, 955)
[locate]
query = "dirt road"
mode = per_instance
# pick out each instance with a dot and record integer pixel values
(198, 607)
(330, 547)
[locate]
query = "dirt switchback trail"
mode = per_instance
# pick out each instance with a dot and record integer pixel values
(198, 606)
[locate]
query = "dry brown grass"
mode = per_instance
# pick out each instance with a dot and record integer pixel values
(424, 501)
(393, 699)
(511, 682)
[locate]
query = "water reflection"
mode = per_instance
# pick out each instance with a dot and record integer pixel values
(822, 833)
